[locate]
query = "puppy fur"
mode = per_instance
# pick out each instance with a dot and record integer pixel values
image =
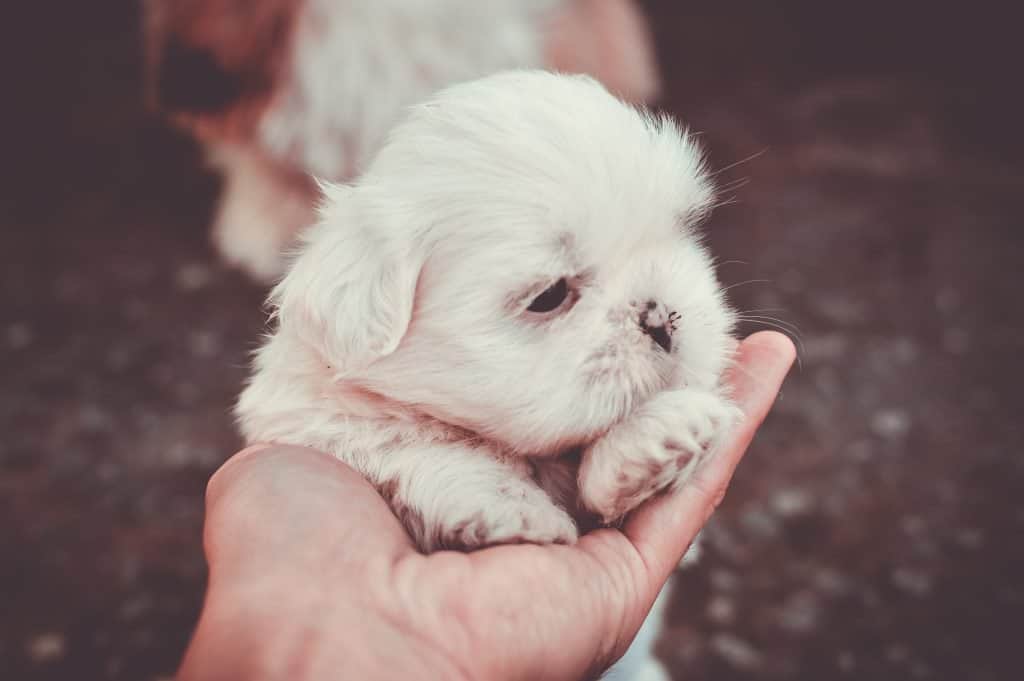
(409, 341)
(281, 87)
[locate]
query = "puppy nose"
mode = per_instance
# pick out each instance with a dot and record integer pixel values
(657, 322)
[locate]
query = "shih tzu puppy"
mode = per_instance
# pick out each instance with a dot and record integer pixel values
(515, 278)
(279, 90)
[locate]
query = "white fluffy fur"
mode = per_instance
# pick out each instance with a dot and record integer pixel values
(404, 345)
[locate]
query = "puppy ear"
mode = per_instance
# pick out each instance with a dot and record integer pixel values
(349, 294)
(204, 58)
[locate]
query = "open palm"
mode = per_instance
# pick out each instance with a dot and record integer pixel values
(312, 577)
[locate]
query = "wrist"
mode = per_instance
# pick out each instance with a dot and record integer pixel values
(267, 633)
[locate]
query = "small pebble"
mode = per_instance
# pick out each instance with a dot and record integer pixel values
(723, 580)
(840, 309)
(204, 344)
(904, 350)
(759, 523)
(19, 335)
(890, 424)
(920, 670)
(46, 647)
(193, 276)
(825, 348)
(970, 538)
(897, 653)
(791, 502)
(132, 609)
(912, 581)
(736, 651)
(800, 613)
(831, 582)
(726, 543)
(721, 610)
(913, 525)
(179, 455)
(92, 418)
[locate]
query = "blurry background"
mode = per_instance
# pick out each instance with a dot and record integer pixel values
(876, 530)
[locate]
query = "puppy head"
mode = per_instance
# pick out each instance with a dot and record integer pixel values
(519, 260)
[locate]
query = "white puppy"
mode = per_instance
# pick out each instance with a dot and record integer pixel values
(516, 276)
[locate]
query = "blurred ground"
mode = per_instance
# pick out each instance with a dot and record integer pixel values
(874, 532)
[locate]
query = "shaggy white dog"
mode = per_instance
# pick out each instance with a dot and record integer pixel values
(280, 89)
(515, 278)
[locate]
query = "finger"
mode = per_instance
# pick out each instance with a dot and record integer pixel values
(280, 509)
(662, 529)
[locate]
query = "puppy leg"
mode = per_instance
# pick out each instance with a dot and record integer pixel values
(261, 210)
(662, 443)
(451, 495)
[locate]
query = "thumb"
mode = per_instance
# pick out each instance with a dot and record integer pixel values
(657, 534)
(282, 510)
(662, 529)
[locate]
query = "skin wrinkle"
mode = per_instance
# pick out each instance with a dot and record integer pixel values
(618, 641)
(448, 619)
(429, 645)
(395, 622)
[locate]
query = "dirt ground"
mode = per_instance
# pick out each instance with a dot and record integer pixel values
(874, 532)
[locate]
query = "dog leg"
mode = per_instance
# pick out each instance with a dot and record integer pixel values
(662, 443)
(452, 495)
(262, 209)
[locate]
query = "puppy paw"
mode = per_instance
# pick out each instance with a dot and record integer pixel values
(259, 253)
(517, 513)
(661, 445)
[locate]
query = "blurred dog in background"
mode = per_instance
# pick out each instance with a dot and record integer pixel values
(281, 91)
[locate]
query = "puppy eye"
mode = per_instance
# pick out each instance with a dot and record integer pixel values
(551, 298)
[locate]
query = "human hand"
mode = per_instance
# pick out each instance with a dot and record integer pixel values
(312, 577)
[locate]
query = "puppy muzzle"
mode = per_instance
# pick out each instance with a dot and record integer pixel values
(659, 323)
